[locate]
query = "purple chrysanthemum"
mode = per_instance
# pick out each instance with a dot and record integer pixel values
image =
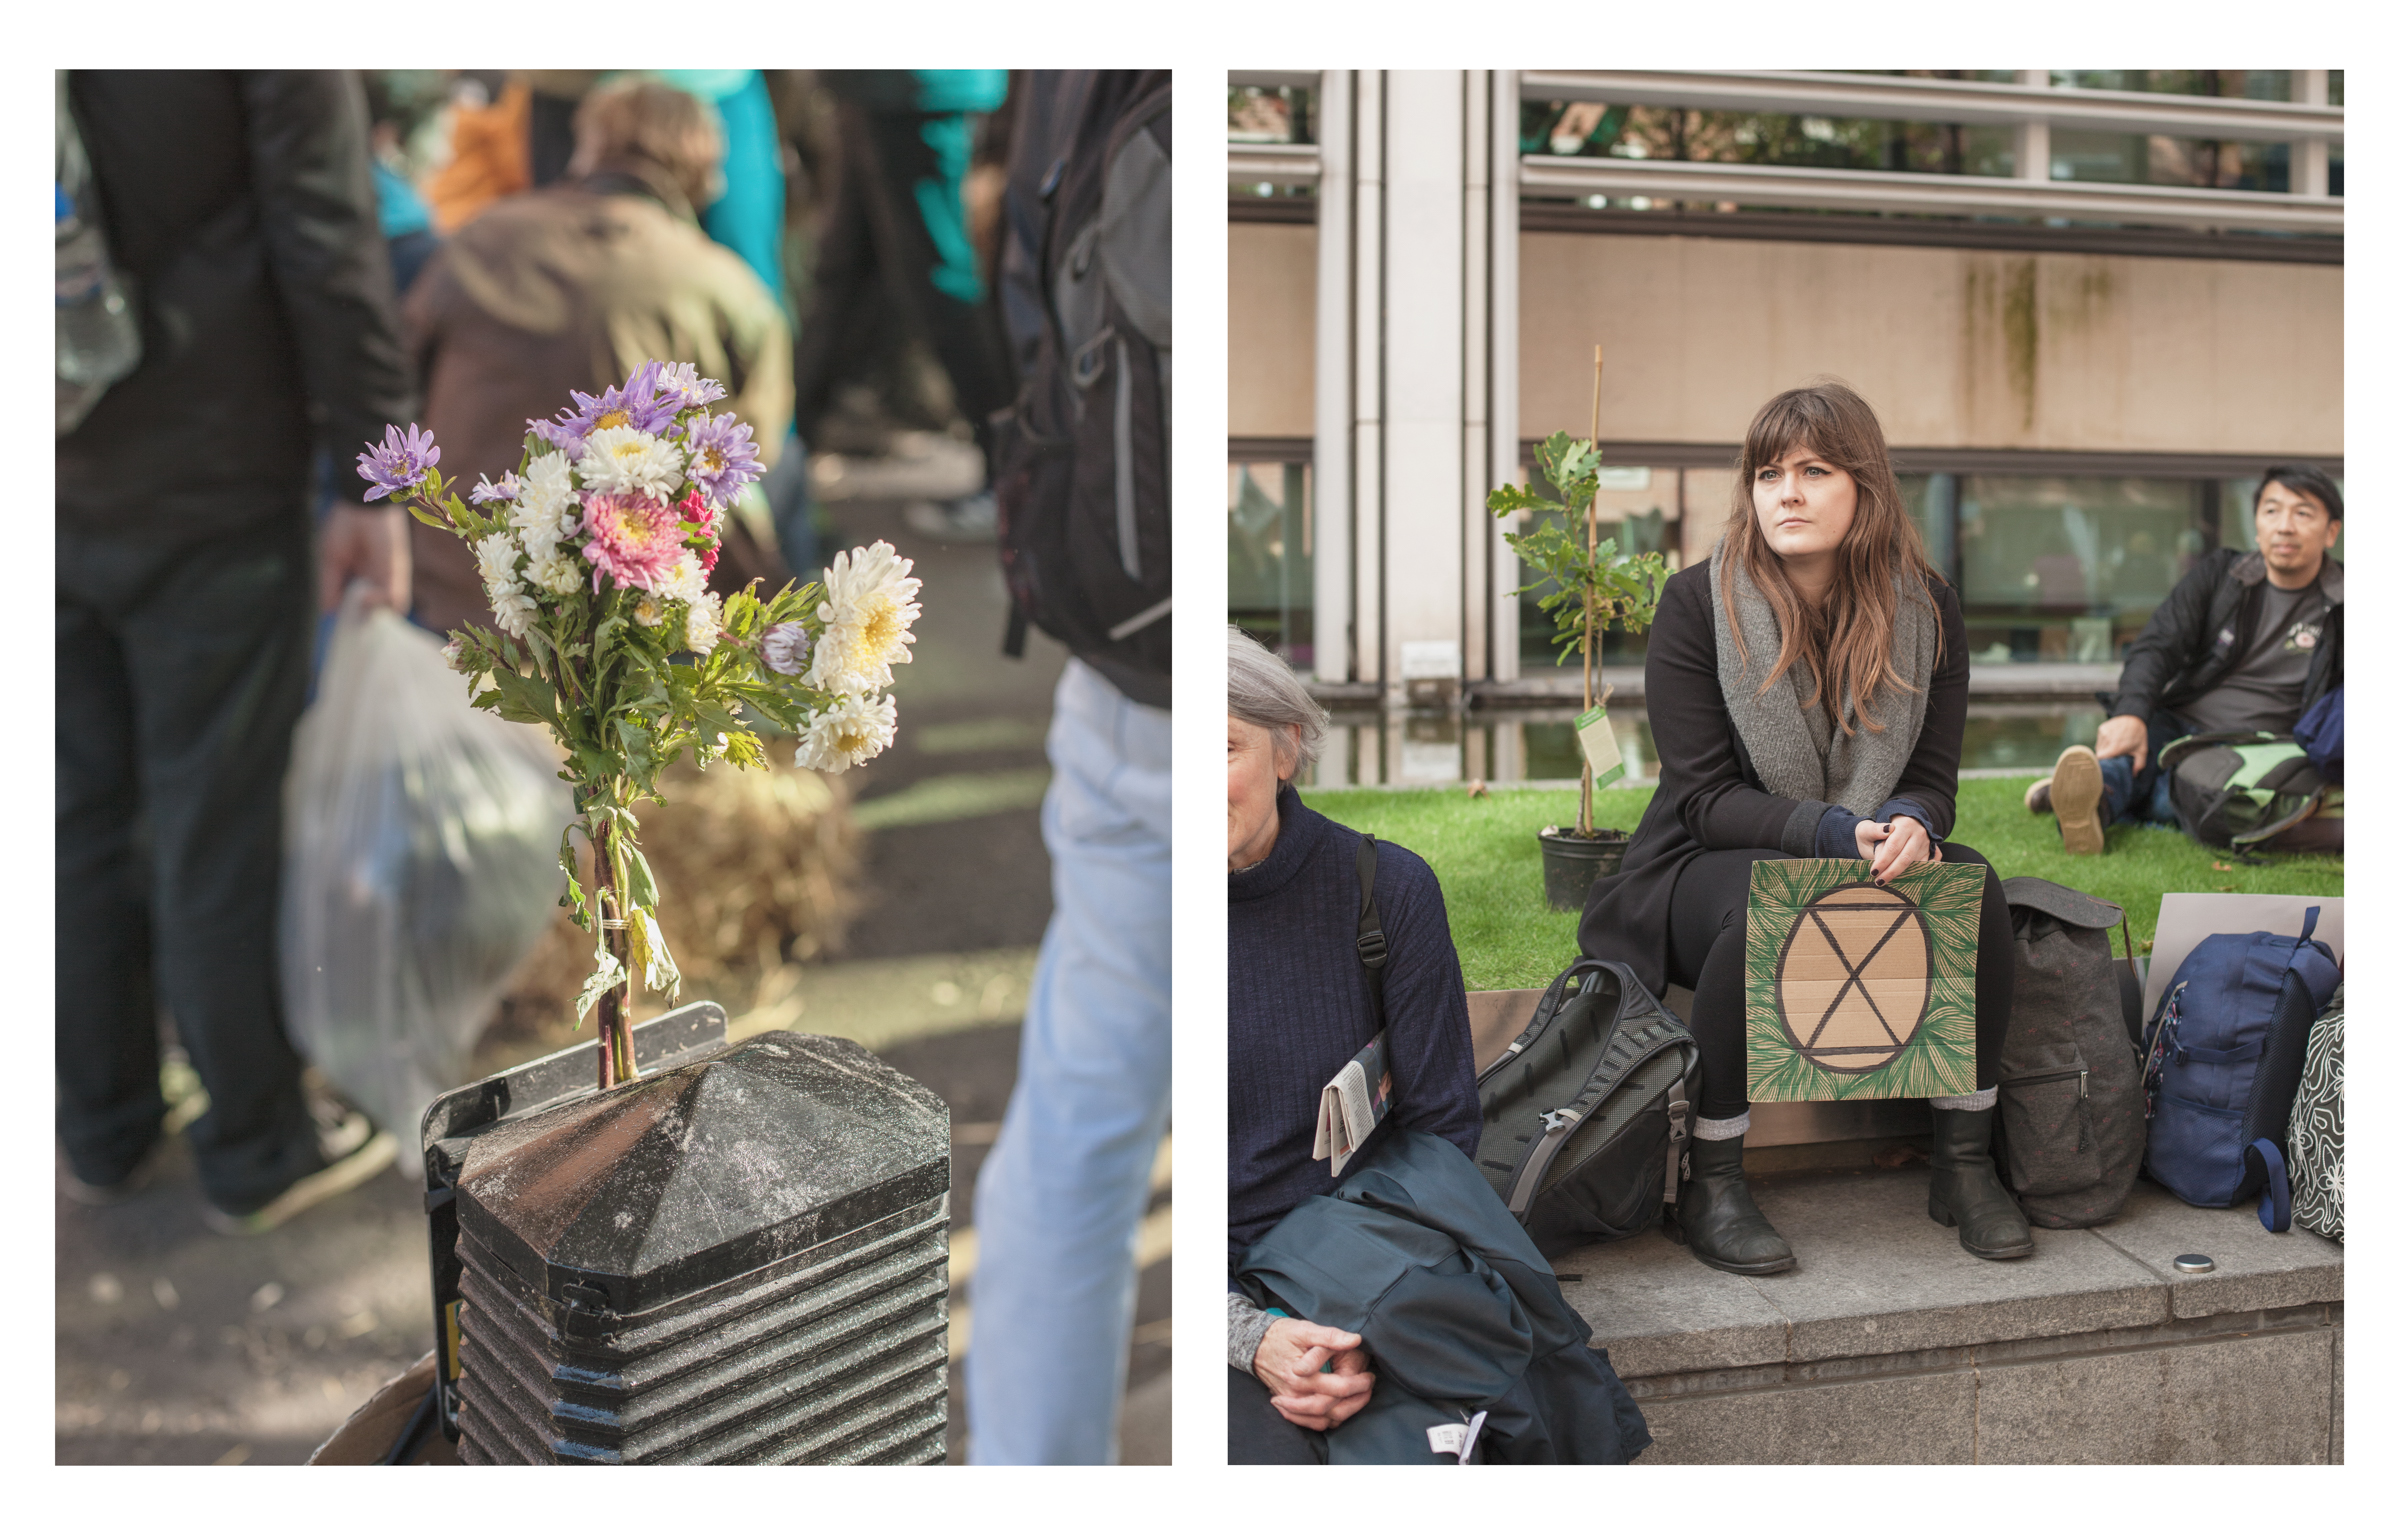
(723, 458)
(401, 463)
(509, 488)
(682, 383)
(636, 403)
(784, 647)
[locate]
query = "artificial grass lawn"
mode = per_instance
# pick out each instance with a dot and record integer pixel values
(1490, 863)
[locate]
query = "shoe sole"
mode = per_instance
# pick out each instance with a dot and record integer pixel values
(2075, 791)
(1995, 1254)
(311, 1191)
(1747, 1270)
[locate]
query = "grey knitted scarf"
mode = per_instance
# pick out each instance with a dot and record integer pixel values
(1797, 751)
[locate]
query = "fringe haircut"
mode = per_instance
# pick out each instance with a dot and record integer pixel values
(1844, 643)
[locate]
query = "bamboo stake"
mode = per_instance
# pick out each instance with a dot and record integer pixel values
(1591, 549)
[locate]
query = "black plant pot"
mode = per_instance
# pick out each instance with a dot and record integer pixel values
(1570, 864)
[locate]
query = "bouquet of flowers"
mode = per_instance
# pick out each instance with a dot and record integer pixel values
(595, 553)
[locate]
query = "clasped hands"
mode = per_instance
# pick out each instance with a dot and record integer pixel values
(1291, 1364)
(1896, 845)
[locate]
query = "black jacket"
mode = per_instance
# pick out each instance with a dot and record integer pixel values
(1457, 1308)
(1710, 796)
(2207, 624)
(242, 207)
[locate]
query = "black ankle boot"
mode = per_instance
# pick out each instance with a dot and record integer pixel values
(1966, 1190)
(1719, 1220)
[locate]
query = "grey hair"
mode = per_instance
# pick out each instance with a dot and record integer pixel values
(1261, 690)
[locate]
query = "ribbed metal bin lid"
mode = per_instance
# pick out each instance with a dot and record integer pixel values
(610, 1205)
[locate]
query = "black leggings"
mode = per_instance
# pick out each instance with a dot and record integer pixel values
(1705, 940)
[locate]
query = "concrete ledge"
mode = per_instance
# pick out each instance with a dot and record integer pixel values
(1889, 1343)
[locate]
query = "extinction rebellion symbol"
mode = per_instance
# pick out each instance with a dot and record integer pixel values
(1854, 979)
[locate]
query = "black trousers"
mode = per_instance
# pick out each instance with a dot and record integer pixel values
(874, 277)
(1705, 939)
(181, 671)
(1257, 1435)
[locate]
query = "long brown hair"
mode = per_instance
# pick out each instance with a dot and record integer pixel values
(1847, 638)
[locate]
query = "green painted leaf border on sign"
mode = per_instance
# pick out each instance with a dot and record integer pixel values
(1939, 1058)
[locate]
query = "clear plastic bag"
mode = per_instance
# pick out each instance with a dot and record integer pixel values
(420, 868)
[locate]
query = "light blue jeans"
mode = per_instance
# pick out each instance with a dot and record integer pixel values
(1058, 1201)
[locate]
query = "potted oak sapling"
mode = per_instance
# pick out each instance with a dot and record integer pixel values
(1591, 589)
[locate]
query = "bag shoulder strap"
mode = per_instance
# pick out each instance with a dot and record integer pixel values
(1372, 951)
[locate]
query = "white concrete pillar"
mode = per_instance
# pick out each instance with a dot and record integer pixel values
(2033, 139)
(2312, 159)
(1416, 384)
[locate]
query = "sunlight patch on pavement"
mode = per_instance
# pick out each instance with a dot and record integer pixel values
(886, 1002)
(952, 797)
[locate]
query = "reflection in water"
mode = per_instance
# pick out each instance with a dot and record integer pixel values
(1538, 745)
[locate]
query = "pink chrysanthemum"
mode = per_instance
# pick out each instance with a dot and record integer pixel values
(635, 539)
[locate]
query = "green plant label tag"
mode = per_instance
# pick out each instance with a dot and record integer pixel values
(1599, 744)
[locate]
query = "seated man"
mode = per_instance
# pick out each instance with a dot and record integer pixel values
(2247, 641)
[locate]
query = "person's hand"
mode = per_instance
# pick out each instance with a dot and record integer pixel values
(364, 543)
(1291, 1363)
(2124, 735)
(1905, 842)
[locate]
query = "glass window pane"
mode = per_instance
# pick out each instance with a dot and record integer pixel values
(2068, 568)
(1271, 565)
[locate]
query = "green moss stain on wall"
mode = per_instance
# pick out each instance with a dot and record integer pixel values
(2021, 334)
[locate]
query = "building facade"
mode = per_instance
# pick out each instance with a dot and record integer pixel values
(2089, 308)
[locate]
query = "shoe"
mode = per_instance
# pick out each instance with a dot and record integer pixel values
(99, 1196)
(353, 1151)
(1966, 1190)
(2037, 798)
(971, 519)
(1719, 1220)
(2075, 795)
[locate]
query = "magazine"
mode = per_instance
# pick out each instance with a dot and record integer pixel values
(1353, 1104)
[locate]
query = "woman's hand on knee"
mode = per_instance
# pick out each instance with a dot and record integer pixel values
(1292, 1363)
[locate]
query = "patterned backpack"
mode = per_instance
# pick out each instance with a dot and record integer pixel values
(2316, 1132)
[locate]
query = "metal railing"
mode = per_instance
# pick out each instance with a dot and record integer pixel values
(2031, 110)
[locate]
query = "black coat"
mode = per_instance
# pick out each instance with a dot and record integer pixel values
(1709, 795)
(2206, 625)
(1456, 1307)
(241, 205)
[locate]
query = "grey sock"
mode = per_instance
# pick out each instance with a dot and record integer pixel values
(1972, 1101)
(1722, 1129)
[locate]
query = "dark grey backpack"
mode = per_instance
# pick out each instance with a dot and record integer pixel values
(2071, 1121)
(1587, 1117)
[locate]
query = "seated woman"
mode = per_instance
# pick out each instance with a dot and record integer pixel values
(1807, 693)
(1298, 1009)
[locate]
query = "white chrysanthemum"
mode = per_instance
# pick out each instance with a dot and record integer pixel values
(549, 490)
(686, 582)
(649, 612)
(496, 561)
(700, 625)
(870, 602)
(559, 571)
(514, 611)
(623, 459)
(849, 733)
(538, 531)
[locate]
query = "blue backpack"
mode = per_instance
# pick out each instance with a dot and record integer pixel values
(2221, 1061)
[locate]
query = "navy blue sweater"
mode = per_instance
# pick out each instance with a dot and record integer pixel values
(1298, 1009)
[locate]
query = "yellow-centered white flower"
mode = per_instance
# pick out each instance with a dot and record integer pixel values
(701, 624)
(687, 582)
(649, 612)
(558, 572)
(624, 459)
(847, 734)
(870, 603)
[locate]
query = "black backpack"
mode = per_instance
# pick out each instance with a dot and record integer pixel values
(1082, 473)
(1587, 1117)
(2250, 790)
(2071, 1111)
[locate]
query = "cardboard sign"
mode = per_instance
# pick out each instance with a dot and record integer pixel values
(1599, 744)
(1857, 990)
